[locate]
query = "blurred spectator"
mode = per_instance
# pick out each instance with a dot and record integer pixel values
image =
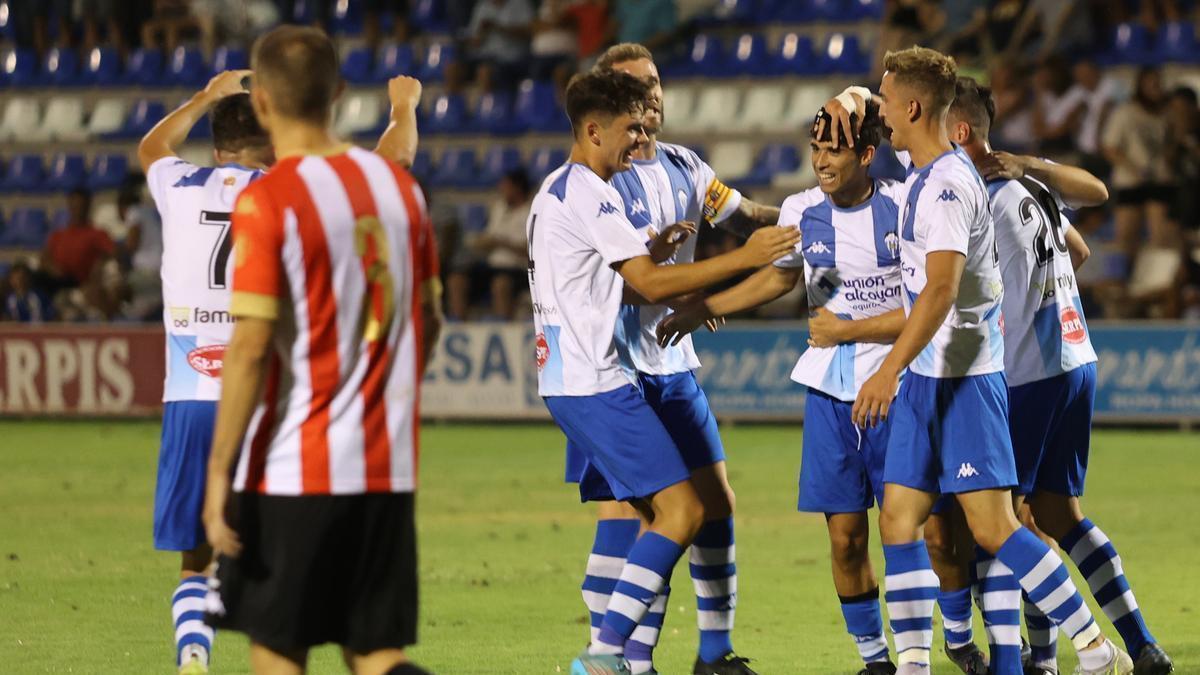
(652, 23)
(498, 46)
(990, 30)
(116, 23)
(23, 302)
(1084, 108)
(1051, 27)
(1054, 126)
(234, 21)
(1135, 143)
(1013, 128)
(591, 27)
(170, 23)
(1183, 155)
(909, 22)
(505, 246)
(554, 43)
(73, 252)
(144, 244)
(32, 20)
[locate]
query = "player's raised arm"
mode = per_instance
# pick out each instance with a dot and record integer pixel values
(748, 217)
(172, 130)
(399, 141)
(1077, 187)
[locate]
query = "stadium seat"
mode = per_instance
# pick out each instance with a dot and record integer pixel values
(498, 161)
(347, 18)
(730, 158)
(358, 114)
(142, 118)
(543, 161)
(422, 166)
(67, 172)
(447, 115)
(433, 65)
(108, 171)
(63, 121)
(21, 68)
(726, 12)
(21, 118)
(27, 228)
(866, 10)
(102, 67)
(60, 219)
(1177, 43)
(187, 68)
(749, 56)
(457, 169)
(787, 11)
(833, 11)
(394, 60)
(802, 106)
(61, 68)
(494, 115)
(473, 218)
(8, 27)
(763, 109)
(107, 117)
(716, 105)
(428, 16)
(537, 108)
(771, 160)
(795, 55)
(145, 68)
(356, 68)
(842, 55)
(305, 11)
(706, 58)
(229, 58)
(1130, 46)
(25, 174)
(679, 104)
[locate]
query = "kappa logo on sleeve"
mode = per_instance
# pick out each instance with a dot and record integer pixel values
(947, 196)
(606, 209)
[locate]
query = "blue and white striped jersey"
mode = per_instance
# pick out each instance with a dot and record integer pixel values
(1045, 333)
(674, 186)
(851, 260)
(195, 204)
(944, 207)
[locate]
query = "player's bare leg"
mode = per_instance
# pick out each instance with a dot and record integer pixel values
(857, 589)
(952, 552)
(381, 662)
(265, 661)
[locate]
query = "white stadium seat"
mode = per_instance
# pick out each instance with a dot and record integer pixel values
(763, 109)
(679, 103)
(800, 179)
(63, 121)
(107, 116)
(358, 113)
(803, 104)
(21, 118)
(716, 107)
(731, 160)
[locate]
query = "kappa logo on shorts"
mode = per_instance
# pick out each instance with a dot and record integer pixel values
(966, 471)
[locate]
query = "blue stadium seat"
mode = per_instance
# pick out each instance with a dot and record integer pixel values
(25, 174)
(8, 27)
(795, 56)
(305, 11)
(866, 10)
(145, 68)
(102, 67)
(543, 161)
(494, 115)
(447, 115)
(61, 68)
(422, 166)
(144, 115)
(347, 18)
(537, 108)
(1177, 43)
(108, 171)
(771, 160)
(749, 55)
(831, 10)
(27, 228)
(433, 65)
(394, 60)
(428, 16)
(229, 58)
(187, 68)
(458, 168)
(498, 161)
(67, 172)
(787, 11)
(59, 220)
(357, 66)
(201, 130)
(21, 68)
(1130, 45)
(473, 218)
(707, 57)
(843, 55)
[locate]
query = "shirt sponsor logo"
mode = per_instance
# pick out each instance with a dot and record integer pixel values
(606, 209)
(876, 289)
(947, 196)
(541, 351)
(182, 317)
(817, 248)
(207, 360)
(1073, 331)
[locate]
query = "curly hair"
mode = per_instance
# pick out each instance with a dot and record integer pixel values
(929, 72)
(973, 104)
(605, 93)
(869, 134)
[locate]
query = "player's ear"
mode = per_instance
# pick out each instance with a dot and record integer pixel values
(593, 132)
(960, 132)
(867, 156)
(914, 110)
(262, 107)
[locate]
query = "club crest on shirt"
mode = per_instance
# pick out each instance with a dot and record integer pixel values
(892, 242)
(207, 360)
(541, 351)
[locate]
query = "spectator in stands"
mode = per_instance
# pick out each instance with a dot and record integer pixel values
(1183, 155)
(590, 18)
(72, 253)
(505, 246)
(23, 302)
(144, 244)
(372, 17)
(652, 23)
(171, 22)
(1053, 124)
(909, 22)
(498, 42)
(1134, 141)
(554, 43)
(1013, 128)
(1086, 105)
(1049, 27)
(234, 21)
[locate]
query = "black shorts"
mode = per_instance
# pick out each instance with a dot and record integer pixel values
(1146, 192)
(318, 569)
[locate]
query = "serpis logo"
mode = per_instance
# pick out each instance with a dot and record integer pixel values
(947, 196)
(207, 360)
(541, 351)
(606, 209)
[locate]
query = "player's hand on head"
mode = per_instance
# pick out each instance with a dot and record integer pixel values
(874, 399)
(404, 92)
(839, 118)
(226, 83)
(824, 329)
(1002, 165)
(768, 244)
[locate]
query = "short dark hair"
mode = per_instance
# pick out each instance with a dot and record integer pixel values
(607, 93)
(870, 134)
(519, 177)
(298, 66)
(234, 125)
(974, 105)
(80, 192)
(1185, 93)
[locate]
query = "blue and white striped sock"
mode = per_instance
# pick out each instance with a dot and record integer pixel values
(911, 590)
(714, 574)
(1000, 601)
(187, 609)
(1099, 563)
(956, 617)
(1043, 636)
(613, 540)
(644, 576)
(865, 624)
(1045, 580)
(639, 648)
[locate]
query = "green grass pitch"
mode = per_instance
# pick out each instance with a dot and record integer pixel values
(503, 543)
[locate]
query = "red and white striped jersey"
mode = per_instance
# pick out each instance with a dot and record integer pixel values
(335, 249)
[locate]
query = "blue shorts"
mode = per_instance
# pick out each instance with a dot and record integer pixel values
(841, 470)
(1051, 424)
(621, 440)
(683, 408)
(187, 431)
(950, 435)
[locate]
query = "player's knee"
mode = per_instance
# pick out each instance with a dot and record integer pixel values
(938, 541)
(990, 536)
(848, 547)
(897, 527)
(719, 504)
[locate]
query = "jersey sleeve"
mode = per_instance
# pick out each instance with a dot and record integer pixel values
(605, 226)
(164, 173)
(790, 213)
(718, 200)
(944, 215)
(257, 247)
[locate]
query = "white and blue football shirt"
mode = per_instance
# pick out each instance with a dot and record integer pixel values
(195, 204)
(944, 207)
(1045, 333)
(851, 261)
(577, 231)
(674, 186)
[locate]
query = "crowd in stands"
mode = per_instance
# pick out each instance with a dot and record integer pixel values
(1102, 84)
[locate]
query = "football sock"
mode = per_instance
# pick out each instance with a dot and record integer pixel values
(912, 588)
(1099, 563)
(714, 574)
(956, 617)
(643, 577)
(639, 648)
(187, 609)
(1045, 580)
(1043, 635)
(614, 538)
(1000, 600)
(864, 623)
